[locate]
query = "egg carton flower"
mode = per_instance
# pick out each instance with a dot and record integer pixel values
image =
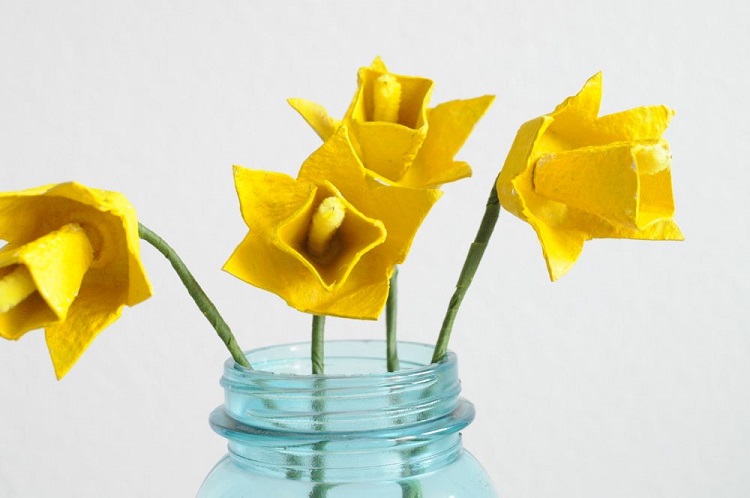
(397, 138)
(70, 264)
(326, 242)
(575, 176)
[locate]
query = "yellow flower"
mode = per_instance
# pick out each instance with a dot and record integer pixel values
(70, 264)
(398, 139)
(575, 176)
(328, 241)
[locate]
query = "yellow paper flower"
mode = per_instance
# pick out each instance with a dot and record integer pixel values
(575, 176)
(70, 264)
(398, 139)
(328, 241)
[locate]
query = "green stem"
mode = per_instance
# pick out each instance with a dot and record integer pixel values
(318, 474)
(318, 343)
(321, 490)
(199, 296)
(473, 258)
(411, 489)
(391, 316)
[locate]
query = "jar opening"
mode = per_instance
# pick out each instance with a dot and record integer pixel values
(344, 358)
(356, 394)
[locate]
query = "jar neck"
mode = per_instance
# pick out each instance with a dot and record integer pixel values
(346, 461)
(356, 421)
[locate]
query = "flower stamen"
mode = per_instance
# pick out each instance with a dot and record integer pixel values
(15, 287)
(386, 98)
(325, 222)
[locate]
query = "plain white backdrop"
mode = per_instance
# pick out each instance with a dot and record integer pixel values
(630, 377)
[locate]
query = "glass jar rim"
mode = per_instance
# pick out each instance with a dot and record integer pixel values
(281, 394)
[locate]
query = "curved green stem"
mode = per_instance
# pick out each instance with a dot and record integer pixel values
(196, 292)
(391, 315)
(473, 258)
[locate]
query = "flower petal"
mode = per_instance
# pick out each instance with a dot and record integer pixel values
(636, 125)
(57, 263)
(582, 106)
(336, 161)
(601, 180)
(94, 310)
(450, 125)
(402, 211)
(268, 199)
(515, 181)
(18, 215)
(30, 314)
(262, 264)
(378, 65)
(364, 294)
(316, 116)
(561, 248)
(387, 149)
(574, 121)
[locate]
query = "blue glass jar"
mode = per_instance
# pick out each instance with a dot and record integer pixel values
(357, 431)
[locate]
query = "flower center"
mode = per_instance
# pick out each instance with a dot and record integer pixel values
(386, 98)
(15, 287)
(325, 222)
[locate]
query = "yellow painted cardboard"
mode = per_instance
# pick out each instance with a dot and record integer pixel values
(375, 235)
(575, 176)
(80, 246)
(417, 148)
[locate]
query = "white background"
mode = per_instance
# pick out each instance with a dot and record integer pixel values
(627, 378)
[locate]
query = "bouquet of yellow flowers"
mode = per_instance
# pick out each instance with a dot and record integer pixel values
(329, 242)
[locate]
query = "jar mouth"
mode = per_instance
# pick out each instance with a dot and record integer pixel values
(344, 359)
(357, 393)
